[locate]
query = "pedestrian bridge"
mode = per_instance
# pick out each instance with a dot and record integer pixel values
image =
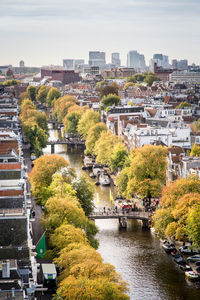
(137, 215)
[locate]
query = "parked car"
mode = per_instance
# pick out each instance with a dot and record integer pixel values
(186, 250)
(197, 263)
(194, 258)
(179, 259)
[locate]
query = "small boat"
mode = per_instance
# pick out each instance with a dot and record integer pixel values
(185, 267)
(97, 183)
(191, 275)
(88, 162)
(97, 169)
(104, 179)
(168, 247)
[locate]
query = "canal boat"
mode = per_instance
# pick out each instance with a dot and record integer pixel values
(97, 169)
(104, 179)
(191, 275)
(92, 175)
(88, 162)
(168, 247)
(179, 259)
(185, 267)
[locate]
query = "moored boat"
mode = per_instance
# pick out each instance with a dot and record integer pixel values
(104, 179)
(168, 247)
(191, 275)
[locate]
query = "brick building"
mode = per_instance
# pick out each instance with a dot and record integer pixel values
(65, 76)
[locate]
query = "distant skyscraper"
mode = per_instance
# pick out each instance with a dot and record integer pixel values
(21, 64)
(97, 58)
(73, 64)
(136, 60)
(183, 64)
(115, 59)
(174, 63)
(161, 61)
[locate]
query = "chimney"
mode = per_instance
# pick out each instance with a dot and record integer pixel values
(6, 269)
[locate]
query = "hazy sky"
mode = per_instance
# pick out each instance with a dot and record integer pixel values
(46, 31)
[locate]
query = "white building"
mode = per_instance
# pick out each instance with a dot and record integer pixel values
(185, 76)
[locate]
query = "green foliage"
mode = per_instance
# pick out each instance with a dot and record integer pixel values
(195, 151)
(110, 100)
(193, 225)
(118, 157)
(88, 119)
(85, 194)
(52, 95)
(32, 92)
(71, 122)
(150, 78)
(93, 136)
(42, 94)
(162, 218)
(196, 125)
(104, 147)
(11, 82)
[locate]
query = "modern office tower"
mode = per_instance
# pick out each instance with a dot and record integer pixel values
(115, 59)
(161, 61)
(174, 63)
(183, 64)
(73, 64)
(21, 64)
(135, 60)
(97, 58)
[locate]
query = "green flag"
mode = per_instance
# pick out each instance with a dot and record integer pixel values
(41, 246)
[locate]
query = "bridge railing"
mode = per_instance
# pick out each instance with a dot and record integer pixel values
(139, 214)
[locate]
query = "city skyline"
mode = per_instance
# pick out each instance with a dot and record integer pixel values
(48, 32)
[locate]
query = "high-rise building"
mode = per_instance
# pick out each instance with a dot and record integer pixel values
(97, 58)
(73, 64)
(180, 64)
(21, 64)
(160, 60)
(174, 63)
(115, 59)
(136, 60)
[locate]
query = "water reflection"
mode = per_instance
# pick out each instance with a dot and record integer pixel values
(136, 253)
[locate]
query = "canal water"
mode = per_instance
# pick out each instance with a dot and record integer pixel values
(136, 253)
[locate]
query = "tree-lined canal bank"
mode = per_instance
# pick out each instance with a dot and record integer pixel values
(136, 253)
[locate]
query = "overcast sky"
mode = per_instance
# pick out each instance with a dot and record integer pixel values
(44, 32)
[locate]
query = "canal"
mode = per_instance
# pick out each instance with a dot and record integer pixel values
(136, 253)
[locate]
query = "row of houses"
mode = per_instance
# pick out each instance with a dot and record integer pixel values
(18, 269)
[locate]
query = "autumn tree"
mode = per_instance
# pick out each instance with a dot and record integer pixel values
(178, 203)
(32, 92)
(195, 151)
(62, 105)
(104, 147)
(88, 119)
(108, 89)
(42, 94)
(71, 122)
(110, 100)
(150, 78)
(118, 157)
(52, 95)
(85, 194)
(93, 136)
(41, 175)
(183, 105)
(193, 225)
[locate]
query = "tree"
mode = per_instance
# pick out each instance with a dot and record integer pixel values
(27, 104)
(88, 119)
(53, 94)
(128, 84)
(135, 78)
(104, 147)
(62, 105)
(41, 175)
(71, 122)
(147, 171)
(85, 194)
(149, 79)
(42, 94)
(183, 105)
(23, 96)
(195, 151)
(108, 89)
(196, 126)
(32, 92)
(110, 100)
(118, 157)
(67, 234)
(193, 225)
(122, 181)
(93, 136)
(161, 219)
